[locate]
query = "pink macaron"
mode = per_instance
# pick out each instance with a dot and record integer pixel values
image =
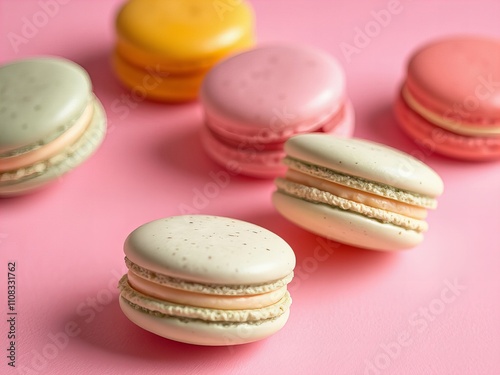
(450, 100)
(254, 101)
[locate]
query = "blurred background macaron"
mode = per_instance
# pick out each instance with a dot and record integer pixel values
(450, 100)
(207, 280)
(255, 100)
(50, 122)
(356, 192)
(165, 47)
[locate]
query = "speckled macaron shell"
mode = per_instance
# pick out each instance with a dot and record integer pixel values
(202, 333)
(365, 167)
(367, 160)
(271, 92)
(40, 98)
(344, 226)
(207, 280)
(210, 250)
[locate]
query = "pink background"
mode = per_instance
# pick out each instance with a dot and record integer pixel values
(431, 310)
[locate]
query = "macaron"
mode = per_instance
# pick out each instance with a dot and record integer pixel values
(207, 280)
(165, 47)
(356, 192)
(254, 101)
(50, 122)
(450, 99)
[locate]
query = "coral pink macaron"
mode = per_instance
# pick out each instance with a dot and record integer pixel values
(450, 100)
(254, 101)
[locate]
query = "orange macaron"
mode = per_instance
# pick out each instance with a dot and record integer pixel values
(165, 47)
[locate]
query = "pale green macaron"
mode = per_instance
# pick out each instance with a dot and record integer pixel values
(50, 122)
(207, 280)
(356, 192)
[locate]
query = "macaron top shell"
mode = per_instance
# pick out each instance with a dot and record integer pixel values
(211, 250)
(458, 78)
(40, 98)
(367, 160)
(183, 30)
(273, 90)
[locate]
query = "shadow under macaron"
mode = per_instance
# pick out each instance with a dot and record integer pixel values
(110, 331)
(321, 260)
(119, 101)
(384, 128)
(183, 151)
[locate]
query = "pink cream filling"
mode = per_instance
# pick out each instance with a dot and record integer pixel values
(359, 196)
(458, 123)
(52, 148)
(183, 297)
(272, 137)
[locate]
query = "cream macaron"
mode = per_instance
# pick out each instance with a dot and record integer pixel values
(50, 122)
(356, 192)
(207, 280)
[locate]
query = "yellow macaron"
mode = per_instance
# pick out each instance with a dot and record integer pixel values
(173, 43)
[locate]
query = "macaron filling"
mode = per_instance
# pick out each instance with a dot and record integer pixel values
(359, 183)
(179, 296)
(380, 202)
(151, 304)
(270, 136)
(204, 279)
(213, 289)
(355, 195)
(54, 147)
(473, 147)
(460, 126)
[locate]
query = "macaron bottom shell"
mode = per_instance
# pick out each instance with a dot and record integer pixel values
(199, 332)
(443, 141)
(343, 226)
(31, 178)
(154, 84)
(254, 160)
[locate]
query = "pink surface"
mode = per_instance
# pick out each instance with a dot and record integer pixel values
(433, 309)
